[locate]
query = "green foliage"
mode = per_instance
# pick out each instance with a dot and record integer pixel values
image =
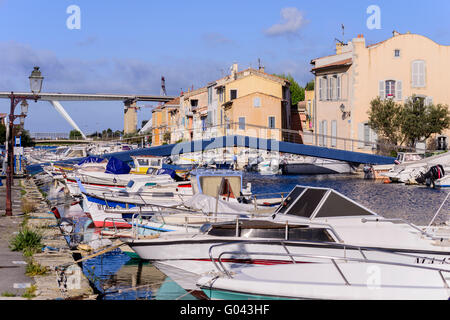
(297, 92)
(75, 135)
(35, 269)
(385, 117)
(27, 141)
(407, 123)
(30, 293)
(310, 86)
(8, 294)
(27, 241)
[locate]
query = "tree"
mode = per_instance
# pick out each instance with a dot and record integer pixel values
(297, 92)
(75, 135)
(420, 121)
(385, 117)
(310, 86)
(407, 123)
(26, 139)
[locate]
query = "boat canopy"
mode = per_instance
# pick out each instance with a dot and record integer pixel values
(312, 202)
(116, 166)
(90, 160)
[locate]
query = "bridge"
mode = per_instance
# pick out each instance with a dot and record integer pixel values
(257, 143)
(129, 100)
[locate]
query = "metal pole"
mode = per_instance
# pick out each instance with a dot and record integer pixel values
(9, 170)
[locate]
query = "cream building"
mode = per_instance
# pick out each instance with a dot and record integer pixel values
(397, 68)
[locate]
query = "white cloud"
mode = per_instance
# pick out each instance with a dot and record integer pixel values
(292, 20)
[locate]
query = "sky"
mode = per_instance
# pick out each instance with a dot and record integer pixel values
(126, 46)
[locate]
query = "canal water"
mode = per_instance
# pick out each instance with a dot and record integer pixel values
(114, 273)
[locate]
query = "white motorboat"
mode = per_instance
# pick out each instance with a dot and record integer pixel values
(407, 172)
(336, 278)
(310, 221)
(312, 165)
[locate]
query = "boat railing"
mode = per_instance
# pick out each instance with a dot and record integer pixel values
(423, 232)
(218, 263)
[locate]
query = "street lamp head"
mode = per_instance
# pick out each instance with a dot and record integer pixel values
(24, 107)
(36, 79)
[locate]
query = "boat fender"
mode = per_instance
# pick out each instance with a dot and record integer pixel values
(56, 213)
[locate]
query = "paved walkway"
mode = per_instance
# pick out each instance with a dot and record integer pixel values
(12, 264)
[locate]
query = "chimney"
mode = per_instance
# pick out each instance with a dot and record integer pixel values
(234, 70)
(395, 33)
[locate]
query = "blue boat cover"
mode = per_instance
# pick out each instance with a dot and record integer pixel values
(116, 166)
(170, 172)
(90, 160)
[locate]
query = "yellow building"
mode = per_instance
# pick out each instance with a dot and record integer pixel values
(257, 103)
(398, 68)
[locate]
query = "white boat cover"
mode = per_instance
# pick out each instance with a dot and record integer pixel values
(207, 204)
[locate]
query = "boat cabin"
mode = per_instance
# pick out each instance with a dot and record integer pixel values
(408, 157)
(312, 203)
(225, 183)
(145, 162)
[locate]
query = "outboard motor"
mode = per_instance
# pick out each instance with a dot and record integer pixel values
(56, 213)
(368, 172)
(428, 178)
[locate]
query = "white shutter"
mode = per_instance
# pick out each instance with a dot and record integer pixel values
(414, 74)
(320, 133)
(338, 89)
(361, 135)
(399, 90)
(428, 101)
(329, 91)
(373, 138)
(325, 130)
(320, 89)
(333, 133)
(382, 89)
(421, 76)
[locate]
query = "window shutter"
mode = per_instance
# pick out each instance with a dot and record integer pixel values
(361, 135)
(422, 74)
(414, 74)
(333, 133)
(373, 136)
(338, 89)
(382, 89)
(320, 89)
(320, 133)
(428, 101)
(399, 90)
(325, 128)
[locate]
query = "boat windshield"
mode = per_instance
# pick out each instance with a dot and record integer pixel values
(270, 230)
(312, 203)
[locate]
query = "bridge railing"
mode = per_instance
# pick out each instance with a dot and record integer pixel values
(172, 134)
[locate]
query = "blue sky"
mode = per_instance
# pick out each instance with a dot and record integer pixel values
(126, 46)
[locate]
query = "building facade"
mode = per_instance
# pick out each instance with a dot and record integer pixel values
(398, 68)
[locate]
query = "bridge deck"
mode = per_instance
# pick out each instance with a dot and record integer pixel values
(262, 144)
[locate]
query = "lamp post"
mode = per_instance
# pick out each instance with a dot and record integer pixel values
(36, 87)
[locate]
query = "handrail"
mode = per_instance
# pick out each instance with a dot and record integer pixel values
(328, 257)
(284, 242)
(364, 220)
(333, 260)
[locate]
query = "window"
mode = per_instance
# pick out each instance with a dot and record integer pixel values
(220, 93)
(397, 53)
(233, 94)
(210, 94)
(390, 89)
(194, 103)
(241, 123)
(203, 123)
(332, 95)
(418, 74)
(323, 91)
(366, 135)
(325, 132)
(256, 102)
(272, 122)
